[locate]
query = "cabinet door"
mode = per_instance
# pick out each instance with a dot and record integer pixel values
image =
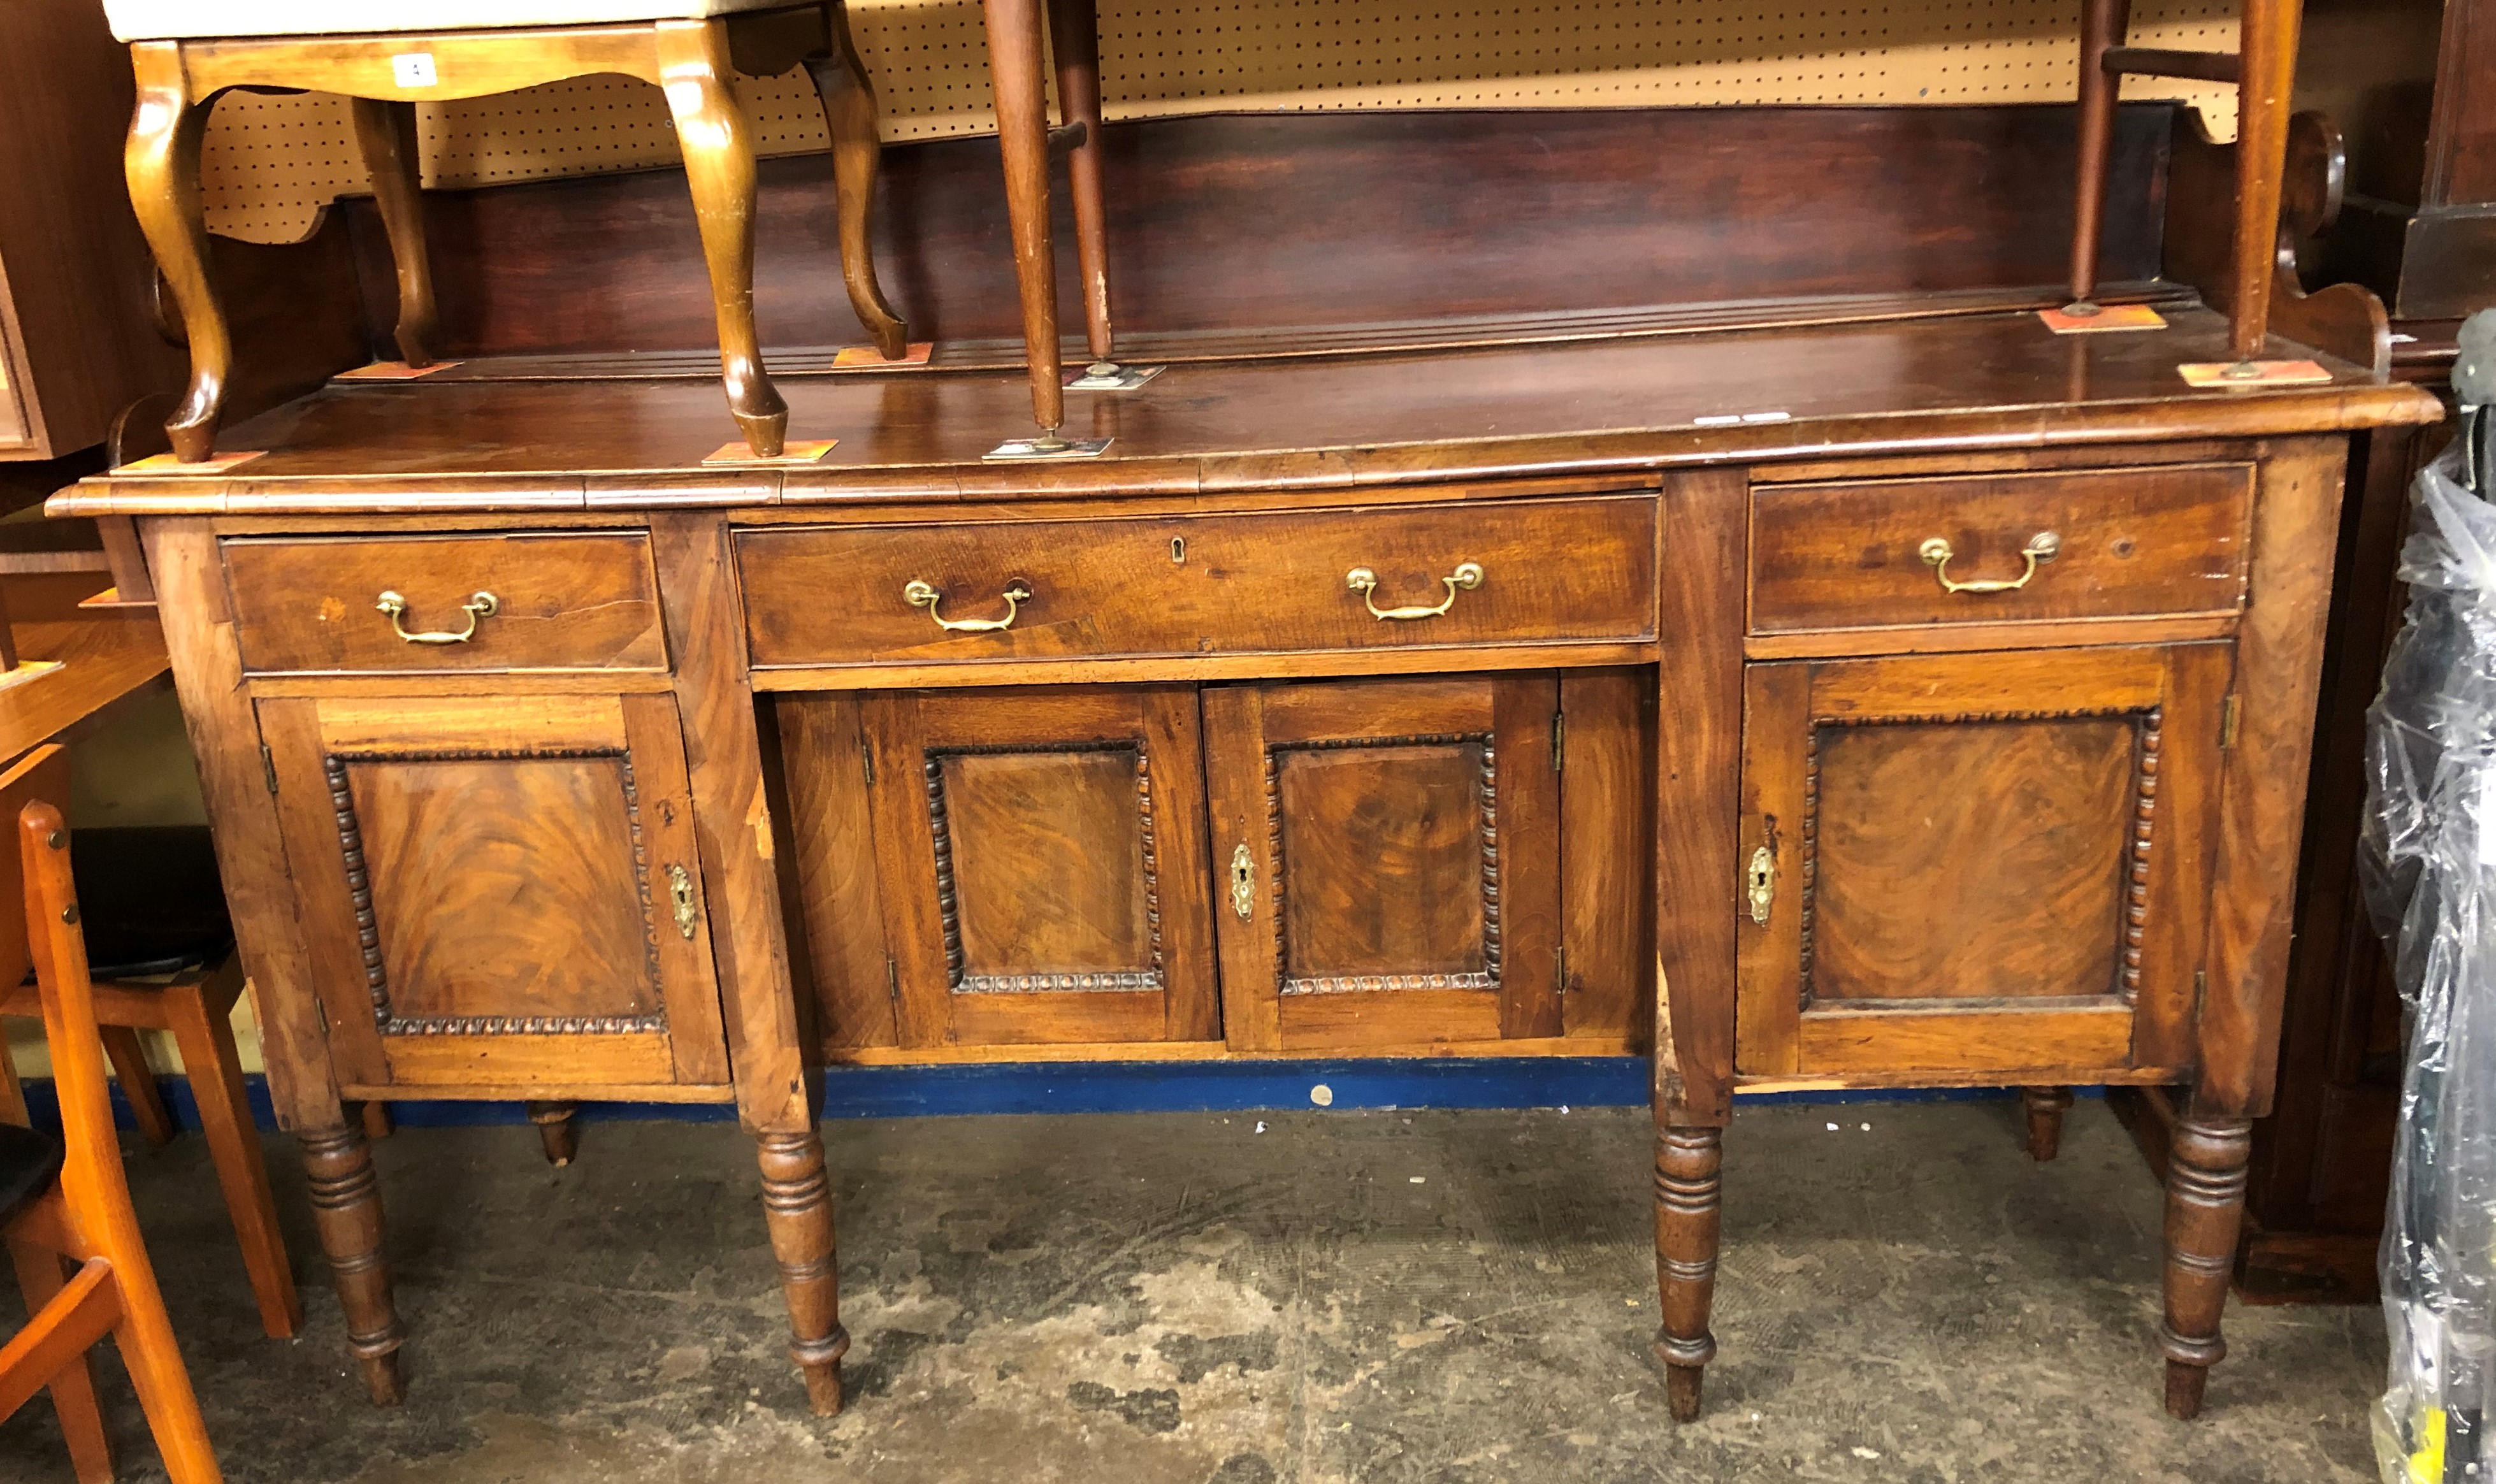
(1388, 860)
(1042, 866)
(500, 889)
(1984, 863)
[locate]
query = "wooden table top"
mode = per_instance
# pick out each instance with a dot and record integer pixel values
(107, 661)
(1989, 381)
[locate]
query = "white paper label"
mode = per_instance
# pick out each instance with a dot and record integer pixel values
(413, 69)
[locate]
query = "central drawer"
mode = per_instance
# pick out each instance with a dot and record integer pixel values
(1514, 571)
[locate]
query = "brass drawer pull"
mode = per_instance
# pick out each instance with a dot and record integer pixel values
(1362, 580)
(481, 606)
(2043, 546)
(923, 596)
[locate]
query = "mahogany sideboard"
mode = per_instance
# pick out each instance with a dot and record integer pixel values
(1910, 703)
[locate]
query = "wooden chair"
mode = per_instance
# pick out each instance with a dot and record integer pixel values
(164, 928)
(188, 52)
(2263, 69)
(65, 1208)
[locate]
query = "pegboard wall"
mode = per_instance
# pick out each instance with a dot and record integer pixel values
(271, 163)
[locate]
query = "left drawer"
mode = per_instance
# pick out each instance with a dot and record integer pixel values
(414, 604)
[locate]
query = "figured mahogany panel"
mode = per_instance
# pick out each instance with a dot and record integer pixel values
(1390, 859)
(831, 834)
(1608, 745)
(1966, 860)
(1551, 570)
(1984, 861)
(578, 600)
(2128, 543)
(1041, 865)
(500, 888)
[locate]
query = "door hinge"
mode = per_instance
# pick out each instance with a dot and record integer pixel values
(2201, 990)
(867, 760)
(892, 982)
(1559, 740)
(1560, 970)
(2228, 713)
(268, 767)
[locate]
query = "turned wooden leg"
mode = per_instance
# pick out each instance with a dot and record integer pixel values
(719, 169)
(556, 1129)
(1075, 38)
(2206, 1205)
(1688, 1210)
(385, 133)
(39, 1277)
(797, 1208)
(857, 155)
(205, 1039)
(162, 163)
(2267, 56)
(1015, 61)
(347, 1211)
(2104, 24)
(375, 1116)
(137, 1085)
(2045, 1106)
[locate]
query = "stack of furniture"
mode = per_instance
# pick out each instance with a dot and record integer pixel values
(1634, 626)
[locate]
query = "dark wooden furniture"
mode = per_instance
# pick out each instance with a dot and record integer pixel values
(186, 55)
(1386, 737)
(65, 1209)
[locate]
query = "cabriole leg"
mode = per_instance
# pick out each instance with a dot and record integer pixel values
(347, 1211)
(385, 136)
(858, 156)
(1687, 1210)
(2206, 1205)
(162, 163)
(797, 1208)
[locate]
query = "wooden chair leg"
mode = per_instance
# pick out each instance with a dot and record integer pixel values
(797, 1208)
(385, 136)
(139, 1085)
(2205, 1207)
(2268, 63)
(2046, 1107)
(1689, 1191)
(207, 1042)
(1015, 60)
(39, 1279)
(557, 1131)
(1074, 38)
(858, 156)
(2104, 24)
(162, 162)
(719, 169)
(347, 1210)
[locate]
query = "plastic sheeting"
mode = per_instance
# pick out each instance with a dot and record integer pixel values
(2430, 877)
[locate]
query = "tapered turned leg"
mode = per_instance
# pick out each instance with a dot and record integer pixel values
(1015, 61)
(385, 133)
(857, 155)
(2206, 1205)
(39, 1277)
(1688, 1207)
(719, 169)
(556, 1129)
(1075, 38)
(2045, 1106)
(797, 1208)
(347, 1211)
(162, 163)
(2266, 52)
(137, 1085)
(206, 1039)
(2104, 24)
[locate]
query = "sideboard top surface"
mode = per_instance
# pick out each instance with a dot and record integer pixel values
(1939, 384)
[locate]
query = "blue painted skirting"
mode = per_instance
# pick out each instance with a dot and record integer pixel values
(1120, 1087)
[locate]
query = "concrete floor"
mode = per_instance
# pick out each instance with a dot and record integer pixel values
(1342, 1296)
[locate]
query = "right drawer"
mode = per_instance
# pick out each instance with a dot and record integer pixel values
(2146, 543)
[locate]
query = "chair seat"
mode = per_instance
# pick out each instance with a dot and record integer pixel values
(149, 898)
(29, 1162)
(148, 20)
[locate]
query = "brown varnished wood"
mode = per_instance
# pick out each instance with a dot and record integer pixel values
(2104, 24)
(1606, 870)
(1075, 46)
(347, 1213)
(386, 136)
(2045, 1107)
(161, 163)
(1015, 50)
(1689, 1215)
(1401, 847)
(1267, 581)
(1041, 865)
(572, 601)
(2132, 544)
(798, 1211)
(2205, 1203)
(832, 834)
(849, 114)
